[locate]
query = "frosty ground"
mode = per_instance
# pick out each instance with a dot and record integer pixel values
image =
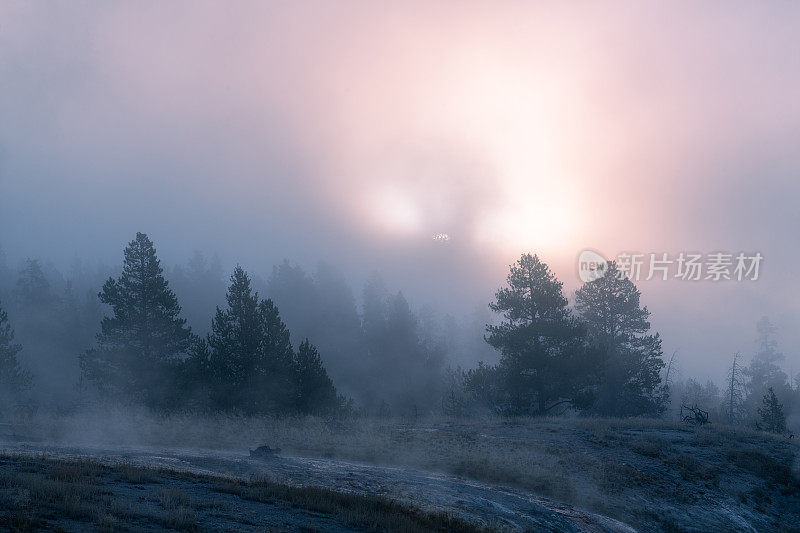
(549, 474)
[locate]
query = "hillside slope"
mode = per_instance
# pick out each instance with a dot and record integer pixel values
(650, 474)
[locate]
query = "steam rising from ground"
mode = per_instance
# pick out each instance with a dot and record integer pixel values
(594, 464)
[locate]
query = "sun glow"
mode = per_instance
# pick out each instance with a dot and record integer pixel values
(513, 119)
(520, 115)
(396, 210)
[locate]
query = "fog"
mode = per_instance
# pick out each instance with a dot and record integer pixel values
(361, 265)
(353, 134)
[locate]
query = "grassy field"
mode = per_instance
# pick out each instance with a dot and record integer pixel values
(40, 493)
(652, 474)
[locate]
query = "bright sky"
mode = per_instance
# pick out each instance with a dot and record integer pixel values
(356, 131)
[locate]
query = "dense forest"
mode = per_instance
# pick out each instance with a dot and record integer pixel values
(302, 343)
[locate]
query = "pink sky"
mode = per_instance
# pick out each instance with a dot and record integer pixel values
(354, 132)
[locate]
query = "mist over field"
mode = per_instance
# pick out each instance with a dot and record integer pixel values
(301, 132)
(418, 236)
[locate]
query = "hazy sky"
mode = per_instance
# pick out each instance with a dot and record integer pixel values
(354, 132)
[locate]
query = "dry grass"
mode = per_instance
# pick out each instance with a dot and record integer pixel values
(764, 466)
(133, 474)
(593, 463)
(41, 493)
(178, 510)
(372, 511)
(517, 451)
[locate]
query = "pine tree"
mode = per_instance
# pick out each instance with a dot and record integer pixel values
(142, 342)
(374, 312)
(764, 371)
(276, 362)
(315, 391)
(37, 314)
(13, 380)
(234, 342)
(771, 413)
(484, 386)
(404, 371)
(545, 361)
(195, 379)
(322, 308)
(33, 289)
(617, 322)
(410, 370)
(250, 356)
(400, 370)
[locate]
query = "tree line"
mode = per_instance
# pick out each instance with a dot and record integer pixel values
(596, 357)
(146, 353)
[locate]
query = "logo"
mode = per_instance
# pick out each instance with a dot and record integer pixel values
(591, 266)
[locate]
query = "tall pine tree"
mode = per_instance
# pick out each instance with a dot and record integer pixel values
(141, 343)
(249, 358)
(13, 380)
(37, 314)
(275, 364)
(764, 371)
(771, 413)
(234, 341)
(315, 391)
(631, 382)
(545, 360)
